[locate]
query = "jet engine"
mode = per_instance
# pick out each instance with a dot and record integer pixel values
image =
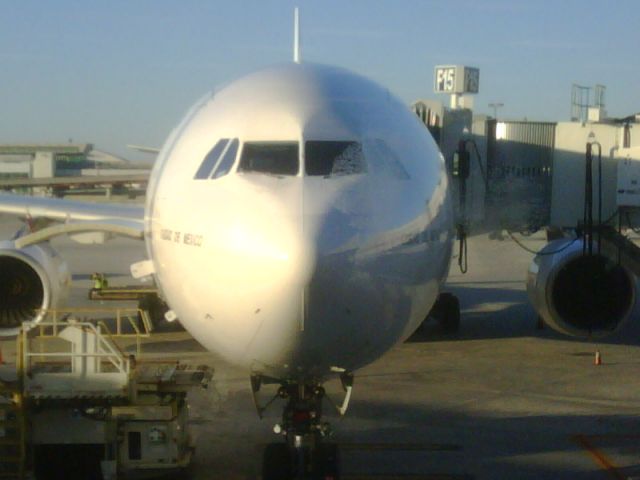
(31, 279)
(580, 294)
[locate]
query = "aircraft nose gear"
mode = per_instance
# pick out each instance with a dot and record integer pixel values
(303, 455)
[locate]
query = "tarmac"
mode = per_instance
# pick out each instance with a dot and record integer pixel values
(500, 399)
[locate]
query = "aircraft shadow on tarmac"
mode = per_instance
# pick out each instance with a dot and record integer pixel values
(503, 312)
(423, 442)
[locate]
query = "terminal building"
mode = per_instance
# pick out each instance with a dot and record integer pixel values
(58, 160)
(38, 161)
(59, 168)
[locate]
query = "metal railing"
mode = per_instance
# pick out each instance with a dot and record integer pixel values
(103, 349)
(128, 323)
(56, 317)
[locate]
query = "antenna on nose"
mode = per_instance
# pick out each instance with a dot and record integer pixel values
(296, 36)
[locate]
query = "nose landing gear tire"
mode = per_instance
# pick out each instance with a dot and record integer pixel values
(328, 465)
(276, 462)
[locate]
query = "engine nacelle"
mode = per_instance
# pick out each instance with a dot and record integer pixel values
(31, 279)
(580, 295)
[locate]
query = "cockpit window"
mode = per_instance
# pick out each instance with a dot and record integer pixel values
(228, 159)
(384, 160)
(211, 159)
(330, 158)
(276, 158)
(219, 160)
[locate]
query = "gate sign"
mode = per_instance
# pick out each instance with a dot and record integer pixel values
(456, 79)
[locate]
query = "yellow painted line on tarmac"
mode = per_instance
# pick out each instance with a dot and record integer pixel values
(599, 457)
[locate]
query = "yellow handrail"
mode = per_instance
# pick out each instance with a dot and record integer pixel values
(113, 353)
(56, 317)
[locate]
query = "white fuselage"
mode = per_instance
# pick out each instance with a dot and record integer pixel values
(288, 270)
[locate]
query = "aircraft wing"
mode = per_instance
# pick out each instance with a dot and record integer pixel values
(76, 217)
(144, 149)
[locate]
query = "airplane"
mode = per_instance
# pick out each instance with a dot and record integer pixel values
(298, 222)
(320, 236)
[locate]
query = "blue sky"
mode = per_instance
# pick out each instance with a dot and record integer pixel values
(122, 72)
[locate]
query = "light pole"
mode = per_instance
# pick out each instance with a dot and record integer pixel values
(496, 106)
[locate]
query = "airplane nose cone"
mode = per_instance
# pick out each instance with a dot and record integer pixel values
(341, 289)
(261, 262)
(264, 257)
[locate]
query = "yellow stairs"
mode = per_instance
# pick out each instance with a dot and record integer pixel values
(12, 435)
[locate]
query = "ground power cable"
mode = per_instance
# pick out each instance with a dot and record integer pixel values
(463, 260)
(540, 252)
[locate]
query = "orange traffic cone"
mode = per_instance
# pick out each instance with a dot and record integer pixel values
(598, 358)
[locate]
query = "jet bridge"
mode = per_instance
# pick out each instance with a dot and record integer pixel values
(619, 248)
(613, 243)
(586, 285)
(77, 401)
